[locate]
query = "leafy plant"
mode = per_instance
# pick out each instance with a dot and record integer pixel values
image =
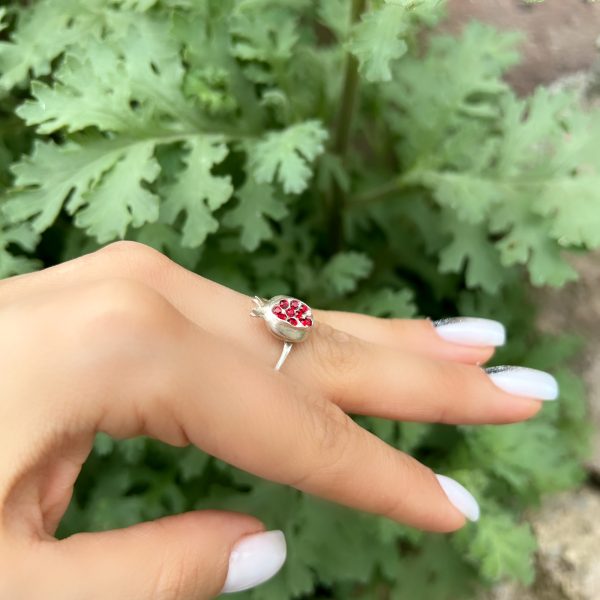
(320, 149)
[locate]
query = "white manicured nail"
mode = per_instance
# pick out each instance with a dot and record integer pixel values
(254, 559)
(462, 499)
(525, 382)
(471, 331)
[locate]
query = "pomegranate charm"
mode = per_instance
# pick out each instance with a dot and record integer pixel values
(287, 318)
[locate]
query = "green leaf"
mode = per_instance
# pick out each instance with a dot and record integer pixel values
(576, 222)
(45, 30)
(52, 173)
(470, 249)
(192, 463)
(19, 236)
(256, 202)
(433, 571)
(526, 241)
(84, 94)
(499, 547)
(527, 456)
(103, 176)
(335, 14)
(120, 199)
(99, 84)
(469, 195)
(343, 272)
(103, 444)
(387, 302)
(198, 192)
(376, 41)
(286, 156)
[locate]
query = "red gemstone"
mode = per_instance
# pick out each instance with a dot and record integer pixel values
(307, 322)
(292, 321)
(294, 303)
(290, 312)
(284, 303)
(281, 315)
(277, 309)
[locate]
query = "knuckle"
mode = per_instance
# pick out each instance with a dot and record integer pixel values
(122, 318)
(336, 353)
(137, 258)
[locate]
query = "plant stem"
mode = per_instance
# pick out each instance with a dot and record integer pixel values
(349, 92)
(343, 128)
(377, 193)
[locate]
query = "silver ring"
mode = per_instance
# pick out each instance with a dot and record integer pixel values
(287, 318)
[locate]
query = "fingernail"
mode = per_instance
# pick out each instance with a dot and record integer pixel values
(460, 497)
(524, 382)
(471, 331)
(254, 560)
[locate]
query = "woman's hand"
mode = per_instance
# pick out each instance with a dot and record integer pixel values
(126, 342)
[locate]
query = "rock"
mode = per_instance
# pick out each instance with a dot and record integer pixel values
(568, 531)
(559, 36)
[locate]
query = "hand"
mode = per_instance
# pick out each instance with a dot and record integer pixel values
(127, 342)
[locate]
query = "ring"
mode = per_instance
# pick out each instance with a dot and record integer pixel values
(287, 318)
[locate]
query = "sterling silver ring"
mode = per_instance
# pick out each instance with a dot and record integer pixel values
(287, 318)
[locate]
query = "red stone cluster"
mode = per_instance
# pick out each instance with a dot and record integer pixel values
(294, 312)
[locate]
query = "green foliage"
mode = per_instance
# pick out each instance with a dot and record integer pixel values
(211, 130)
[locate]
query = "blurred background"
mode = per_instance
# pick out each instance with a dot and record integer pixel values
(560, 48)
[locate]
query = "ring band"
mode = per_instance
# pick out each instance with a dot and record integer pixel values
(287, 318)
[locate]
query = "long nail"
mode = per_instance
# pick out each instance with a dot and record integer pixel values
(471, 331)
(460, 497)
(523, 381)
(254, 560)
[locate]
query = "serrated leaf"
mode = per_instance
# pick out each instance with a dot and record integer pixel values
(256, 202)
(387, 302)
(263, 39)
(286, 156)
(499, 548)
(335, 14)
(469, 195)
(343, 272)
(376, 41)
(103, 444)
(45, 30)
(526, 456)
(125, 82)
(526, 241)
(23, 237)
(52, 173)
(470, 249)
(94, 174)
(84, 94)
(575, 222)
(192, 463)
(197, 192)
(120, 198)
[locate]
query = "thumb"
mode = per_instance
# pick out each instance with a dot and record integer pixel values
(195, 555)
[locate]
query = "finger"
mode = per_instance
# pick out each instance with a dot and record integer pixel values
(462, 339)
(225, 311)
(193, 556)
(366, 378)
(147, 370)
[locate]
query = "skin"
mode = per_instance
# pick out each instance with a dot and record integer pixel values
(125, 341)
